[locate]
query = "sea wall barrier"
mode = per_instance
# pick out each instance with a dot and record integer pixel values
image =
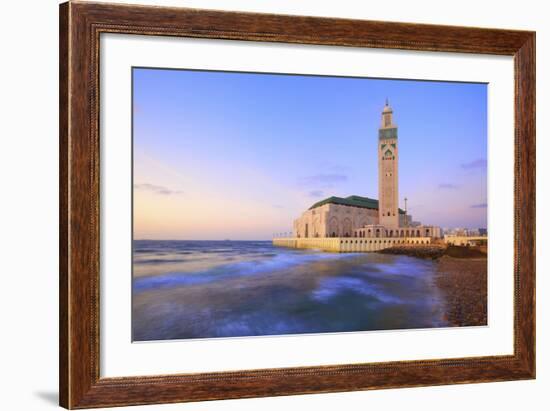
(349, 244)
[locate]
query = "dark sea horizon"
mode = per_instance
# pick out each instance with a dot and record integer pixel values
(183, 289)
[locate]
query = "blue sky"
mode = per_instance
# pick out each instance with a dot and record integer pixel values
(240, 155)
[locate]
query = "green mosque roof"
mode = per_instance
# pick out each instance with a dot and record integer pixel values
(351, 201)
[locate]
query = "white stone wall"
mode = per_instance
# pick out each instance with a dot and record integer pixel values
(375, 231)
(349, 245)
(333, 220)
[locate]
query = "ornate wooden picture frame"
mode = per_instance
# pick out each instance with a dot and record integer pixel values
(80, 27)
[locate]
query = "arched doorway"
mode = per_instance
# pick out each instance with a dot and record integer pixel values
(333, 227)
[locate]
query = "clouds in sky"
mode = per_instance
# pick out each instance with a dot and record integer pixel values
(478, 163)
(153, 188)
(448, 186)
(316, 193)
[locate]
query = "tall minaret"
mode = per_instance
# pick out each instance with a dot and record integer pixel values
(388, 205)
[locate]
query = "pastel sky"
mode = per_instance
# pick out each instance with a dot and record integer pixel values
(239, 156)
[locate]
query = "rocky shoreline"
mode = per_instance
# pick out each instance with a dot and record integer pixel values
(461, 277)
(435, 251)
(423, 251)
(463, 282)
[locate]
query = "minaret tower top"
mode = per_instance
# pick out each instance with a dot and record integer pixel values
(387, 116)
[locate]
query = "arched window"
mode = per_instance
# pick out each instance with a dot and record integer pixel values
(333, 227)
(347, 227)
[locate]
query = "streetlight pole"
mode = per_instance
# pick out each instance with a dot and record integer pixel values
(406, 215)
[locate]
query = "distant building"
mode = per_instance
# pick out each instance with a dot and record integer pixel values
(469, 240)
(465, 232)
(363, 217)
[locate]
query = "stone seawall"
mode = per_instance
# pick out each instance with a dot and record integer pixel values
(349, 244)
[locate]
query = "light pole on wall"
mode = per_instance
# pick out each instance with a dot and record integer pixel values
(406, 215)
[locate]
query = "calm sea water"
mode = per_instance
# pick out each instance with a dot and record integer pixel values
(205, 289)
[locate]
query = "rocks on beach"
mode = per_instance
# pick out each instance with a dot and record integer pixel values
(464, 283)
(435, 251)
(419, 251)
(462, 278)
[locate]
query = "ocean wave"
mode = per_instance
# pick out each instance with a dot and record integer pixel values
(335, 287)
(160, 261)
(247, 267)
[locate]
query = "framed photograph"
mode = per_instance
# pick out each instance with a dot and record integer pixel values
(258, 205)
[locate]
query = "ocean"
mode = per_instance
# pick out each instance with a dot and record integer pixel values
(210, 289)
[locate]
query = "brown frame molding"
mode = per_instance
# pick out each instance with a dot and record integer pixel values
(81, 24)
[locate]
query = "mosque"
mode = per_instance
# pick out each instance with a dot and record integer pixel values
(360, 217)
